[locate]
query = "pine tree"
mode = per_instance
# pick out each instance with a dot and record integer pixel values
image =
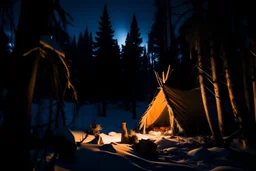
(144, 74)
(73, 53)
(70, 50)
(116, 71)
(105, 59)
(92, 47)
(86, 34)
(80, 58)
(80, 44)
(74, 44)
(165, 46)
(117, 56)
(145, 61)
(104, 40)
(88, 49)
(132, 61)
(91, 44)
(136, 40)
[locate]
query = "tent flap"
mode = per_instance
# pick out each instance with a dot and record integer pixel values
(188, 109)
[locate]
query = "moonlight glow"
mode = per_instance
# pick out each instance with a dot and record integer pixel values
(121, 36)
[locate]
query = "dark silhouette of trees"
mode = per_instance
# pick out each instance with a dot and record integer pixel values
(81, 54)
(144, 84)
(22, 71)
(217, 45)
(107, 60)
(219, 38)
(162, 39)
(87, 79)
(85, 65)
(132, 64)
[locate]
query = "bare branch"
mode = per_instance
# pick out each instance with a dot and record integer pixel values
(30, 51)
(47, 46)
(61, 57)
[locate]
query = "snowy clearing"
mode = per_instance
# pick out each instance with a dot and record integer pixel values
(175, 153)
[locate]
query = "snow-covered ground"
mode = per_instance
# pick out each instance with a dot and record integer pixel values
(175, 153)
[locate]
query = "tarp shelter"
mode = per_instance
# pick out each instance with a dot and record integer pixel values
(180, 110)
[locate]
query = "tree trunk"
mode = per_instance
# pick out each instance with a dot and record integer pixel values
(19, 107)
(22, 73)
(63, 115)
(217, 93)
(134, 115)
(232, 98)
(64, 123)
(133, 94)
(215, 133)
(104, 108)
(165, 33)
(57, 116)
(50, 115)
(254, 93)
(127, 105)
(1, 93)
(245, 81)
(38, 118)
(254, 86)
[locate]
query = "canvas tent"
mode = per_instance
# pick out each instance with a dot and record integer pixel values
(180, 110)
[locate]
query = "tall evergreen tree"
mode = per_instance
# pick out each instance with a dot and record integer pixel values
(127, 75)
(160, 35)
(86, 63)
(80, 42)
(145, 60)
(80, 58)
(136, 41)
(105, 58)
(73, 43)
(132, 61)
(88, 48)
(92, 52)
(73, 53)
(144, 80)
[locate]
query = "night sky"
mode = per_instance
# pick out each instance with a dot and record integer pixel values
(87, 13)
